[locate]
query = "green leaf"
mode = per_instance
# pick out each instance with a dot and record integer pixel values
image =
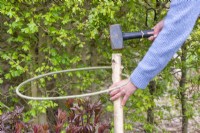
(8, 76)
(33, 27)
(1, 81)
(10, 31)
(25, 47)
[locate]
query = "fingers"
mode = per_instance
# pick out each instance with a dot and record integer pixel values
(124, 100)
(117, 95)
(124, 91)
(114, 92)
(117, 84)
(157, 30)
(152, 32)
(151, 38)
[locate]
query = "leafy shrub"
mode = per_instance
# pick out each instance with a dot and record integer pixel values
(11, 122)
(83, 117)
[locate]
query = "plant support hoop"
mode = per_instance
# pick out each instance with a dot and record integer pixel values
(71, 96)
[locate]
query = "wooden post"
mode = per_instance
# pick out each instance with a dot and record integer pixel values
(118, 109)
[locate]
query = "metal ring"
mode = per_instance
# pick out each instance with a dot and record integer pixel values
(67, 97)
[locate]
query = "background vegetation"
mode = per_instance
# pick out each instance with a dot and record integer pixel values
(41, 36)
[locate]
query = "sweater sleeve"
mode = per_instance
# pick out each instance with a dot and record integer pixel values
(178, 24)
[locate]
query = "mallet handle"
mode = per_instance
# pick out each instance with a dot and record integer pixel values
(139, 34)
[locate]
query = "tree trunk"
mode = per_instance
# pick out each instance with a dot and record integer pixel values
(42, 117)
(34, 89)
(150, 111)
(183, 89)
(36, 62)
(94, 53)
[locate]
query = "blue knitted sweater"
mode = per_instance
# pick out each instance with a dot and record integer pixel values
(178, 24)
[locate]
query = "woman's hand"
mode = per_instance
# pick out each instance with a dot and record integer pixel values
(125, 91)
(157, 28)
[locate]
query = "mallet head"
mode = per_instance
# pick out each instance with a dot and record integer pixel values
(116, 37)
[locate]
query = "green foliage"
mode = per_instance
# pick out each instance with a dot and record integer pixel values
(38, 107)
(39, 36)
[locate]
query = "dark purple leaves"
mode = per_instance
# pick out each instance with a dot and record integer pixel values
(11, 121)
(83, 117)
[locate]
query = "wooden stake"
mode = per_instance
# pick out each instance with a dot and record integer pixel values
(118, 109)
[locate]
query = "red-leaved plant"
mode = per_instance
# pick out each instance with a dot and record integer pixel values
(41, 128)
(83, 117)
(61, 118)
(11, 122)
